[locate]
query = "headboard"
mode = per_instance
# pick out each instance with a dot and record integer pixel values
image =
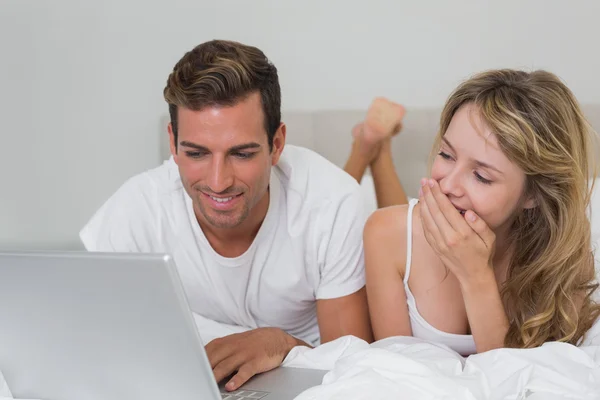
(329, 133)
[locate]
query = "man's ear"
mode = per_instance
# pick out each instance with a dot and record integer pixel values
(172, 144)
(278, 143)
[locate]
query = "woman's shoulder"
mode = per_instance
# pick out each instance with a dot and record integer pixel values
(387, 220)
(385, 232)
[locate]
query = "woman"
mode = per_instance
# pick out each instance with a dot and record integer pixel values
(496, 250)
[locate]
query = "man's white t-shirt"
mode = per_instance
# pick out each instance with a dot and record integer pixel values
(309, 246)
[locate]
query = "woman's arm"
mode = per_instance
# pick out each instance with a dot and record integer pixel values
(485, 310)
(385, 252)
(465, 244)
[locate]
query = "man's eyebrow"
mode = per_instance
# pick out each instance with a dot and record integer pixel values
(234, 149)
(193, 145)
(477, 162)
(245, 146)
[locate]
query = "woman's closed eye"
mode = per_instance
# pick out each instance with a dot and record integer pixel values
(482, 179)
(445, 156)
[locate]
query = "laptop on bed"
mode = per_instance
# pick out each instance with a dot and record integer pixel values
(110, 326)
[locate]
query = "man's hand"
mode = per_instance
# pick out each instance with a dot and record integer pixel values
(249, 353)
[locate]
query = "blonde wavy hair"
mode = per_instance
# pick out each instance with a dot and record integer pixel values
(541, 128)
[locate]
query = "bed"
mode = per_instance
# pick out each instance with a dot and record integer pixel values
(410, 368)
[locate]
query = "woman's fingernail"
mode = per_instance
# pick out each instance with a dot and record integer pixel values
(423, 181)
(430, 183)
(472, 217)
(230, 385)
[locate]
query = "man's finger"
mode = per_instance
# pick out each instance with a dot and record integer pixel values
(219, 349)
(228, 366)
(481, 228)
(245, 372)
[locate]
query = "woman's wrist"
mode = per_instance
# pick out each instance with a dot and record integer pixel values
(482, 282)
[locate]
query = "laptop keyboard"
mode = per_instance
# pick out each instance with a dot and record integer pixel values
(243, 395)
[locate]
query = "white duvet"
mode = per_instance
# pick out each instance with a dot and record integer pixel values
(407, 368)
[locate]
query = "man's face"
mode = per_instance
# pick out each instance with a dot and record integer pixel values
(224, 160)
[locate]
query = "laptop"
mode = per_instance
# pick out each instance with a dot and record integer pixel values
(111, 326)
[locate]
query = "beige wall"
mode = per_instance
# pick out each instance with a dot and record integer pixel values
(81, 82)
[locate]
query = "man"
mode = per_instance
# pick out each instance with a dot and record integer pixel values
(264, 238)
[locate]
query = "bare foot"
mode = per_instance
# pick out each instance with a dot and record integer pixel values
(384, 120)
(368, 150)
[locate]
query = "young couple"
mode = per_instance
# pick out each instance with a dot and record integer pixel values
(495, 251)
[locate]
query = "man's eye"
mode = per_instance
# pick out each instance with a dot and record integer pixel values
(194, 154)
(244, 156)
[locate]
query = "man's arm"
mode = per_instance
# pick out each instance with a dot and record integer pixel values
(348, 315)
(341, 295)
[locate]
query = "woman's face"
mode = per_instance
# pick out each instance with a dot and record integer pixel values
(475, 174)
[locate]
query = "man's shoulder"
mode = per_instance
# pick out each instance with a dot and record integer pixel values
(165, 177)
(311, 175)
(157, 181)
(128, 219)
(145, 193)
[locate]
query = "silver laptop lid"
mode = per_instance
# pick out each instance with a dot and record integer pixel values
(99, 326)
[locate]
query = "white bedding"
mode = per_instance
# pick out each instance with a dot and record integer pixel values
(408, 368)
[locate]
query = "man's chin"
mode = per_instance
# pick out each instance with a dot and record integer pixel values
(223, 221)
(224, 225)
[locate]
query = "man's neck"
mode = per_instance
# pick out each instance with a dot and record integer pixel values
(233, 242)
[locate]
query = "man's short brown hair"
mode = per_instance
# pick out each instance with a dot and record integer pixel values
(221, 73)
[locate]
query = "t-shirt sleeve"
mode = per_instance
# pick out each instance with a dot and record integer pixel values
(341, 260)
(127, 221)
